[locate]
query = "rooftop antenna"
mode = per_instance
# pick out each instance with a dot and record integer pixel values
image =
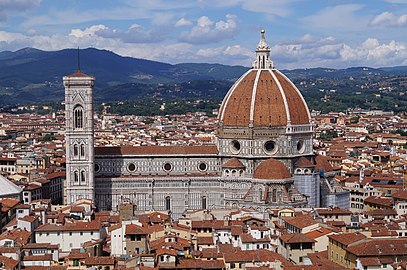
(79, 61)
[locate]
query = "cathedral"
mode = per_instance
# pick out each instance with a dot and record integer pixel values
(263, 157)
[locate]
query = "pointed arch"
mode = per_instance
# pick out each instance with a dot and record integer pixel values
(78, 116)
(76, 176)
(83, 176)
(75, 150)
(82, 150)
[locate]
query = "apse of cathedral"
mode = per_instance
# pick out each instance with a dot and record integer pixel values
(263, 158)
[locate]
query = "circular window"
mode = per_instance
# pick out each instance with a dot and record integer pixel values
(203, 166)
(97, 167)
(131, 167)
(300, 146)
(167, 167)
(235, 147)
(270, 147)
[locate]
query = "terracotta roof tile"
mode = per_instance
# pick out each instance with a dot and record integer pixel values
(135, 229)
(237, 109)
(323, 164)
(269, 107)
(78, 74)
(99, 260)
(80, 226)
(380, 247)
(252, 256)
(300, 221)
(347, 238)
(233, 163)
(296, 105)
(271, 169)
(203, 240)
(304, 162)
(291, 238)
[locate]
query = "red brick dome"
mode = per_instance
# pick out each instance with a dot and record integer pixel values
(271, 169)
(263, 98)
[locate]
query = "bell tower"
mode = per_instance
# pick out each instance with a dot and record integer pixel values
(79, 137)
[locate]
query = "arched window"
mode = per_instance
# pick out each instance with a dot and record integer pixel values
(76, 177)
(75, 150)
(78, 117)
(204, 206)
(274, 195)
(167, 203)
(83, 177)
(260, 194)
(82, 150)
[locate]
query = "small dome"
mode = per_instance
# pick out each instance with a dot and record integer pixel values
(234, 163)
(271, 169)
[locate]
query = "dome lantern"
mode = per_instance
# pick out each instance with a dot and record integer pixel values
(263, 54)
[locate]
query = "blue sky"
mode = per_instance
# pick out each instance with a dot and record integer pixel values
(301, 33)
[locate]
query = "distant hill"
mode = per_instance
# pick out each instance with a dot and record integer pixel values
(31, 75)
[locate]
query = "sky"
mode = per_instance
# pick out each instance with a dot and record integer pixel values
(301, 33)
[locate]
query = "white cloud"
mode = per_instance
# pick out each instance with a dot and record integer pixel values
(206, 31)
(8, 37)
(236, 55)
(88, 32)
(389, 19)
(204, 21)
(135, 34)
(307, 38)
(329, 54)
(307, 51)
(183, 22)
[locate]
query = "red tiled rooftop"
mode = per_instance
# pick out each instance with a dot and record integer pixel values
(347, 238)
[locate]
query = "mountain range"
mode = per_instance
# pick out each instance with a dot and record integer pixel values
(31, 75)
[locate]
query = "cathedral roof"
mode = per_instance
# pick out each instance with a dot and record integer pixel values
(233, 163)
(156, 150)
(304, 162)
(263, 97)
(78, 74)
(271, 169)
(323, 164)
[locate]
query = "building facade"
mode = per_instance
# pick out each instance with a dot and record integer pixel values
(264, 129)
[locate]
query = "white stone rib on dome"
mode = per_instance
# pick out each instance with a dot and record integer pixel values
(287, 110)
(298, 91)
(229, 93)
